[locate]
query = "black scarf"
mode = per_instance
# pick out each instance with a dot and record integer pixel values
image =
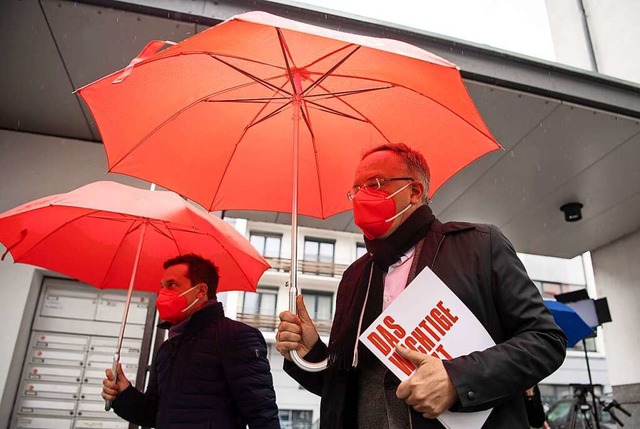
(353, 289)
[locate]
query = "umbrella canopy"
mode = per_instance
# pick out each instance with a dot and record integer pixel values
(94, 232)
(211, 117)
(569, 321)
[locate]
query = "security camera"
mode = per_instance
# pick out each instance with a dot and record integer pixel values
(572, 212)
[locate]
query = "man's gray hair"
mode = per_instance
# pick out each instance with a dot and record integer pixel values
(414, 163)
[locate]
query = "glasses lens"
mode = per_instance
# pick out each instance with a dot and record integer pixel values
(371, 185)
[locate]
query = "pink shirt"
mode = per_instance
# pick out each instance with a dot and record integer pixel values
(396, 278)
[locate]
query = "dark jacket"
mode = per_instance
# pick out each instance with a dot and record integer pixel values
(481, 267)
(214, 375)
(534, 407)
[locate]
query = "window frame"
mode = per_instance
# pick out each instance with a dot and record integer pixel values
(266, 235)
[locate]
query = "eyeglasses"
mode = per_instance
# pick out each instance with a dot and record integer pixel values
(373, 185)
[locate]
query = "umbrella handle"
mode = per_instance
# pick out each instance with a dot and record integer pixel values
(300, 362)
(114, 370)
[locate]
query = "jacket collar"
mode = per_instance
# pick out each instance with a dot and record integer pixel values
(430, 246)
(211, 311)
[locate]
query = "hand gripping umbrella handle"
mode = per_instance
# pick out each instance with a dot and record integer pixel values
(300, 362)
(114, 370)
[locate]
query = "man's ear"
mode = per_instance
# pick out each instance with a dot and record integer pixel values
(417, 191)
(203, 291)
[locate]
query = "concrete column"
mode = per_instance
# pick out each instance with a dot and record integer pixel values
(617, 274)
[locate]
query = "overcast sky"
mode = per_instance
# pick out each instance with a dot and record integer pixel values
(514, 25)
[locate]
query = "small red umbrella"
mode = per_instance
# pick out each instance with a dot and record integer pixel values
(96, 232)
(114, 236)
(244, 114)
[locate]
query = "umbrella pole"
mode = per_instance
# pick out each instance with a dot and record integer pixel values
(123, 325)
(593, 394)
(293, 283)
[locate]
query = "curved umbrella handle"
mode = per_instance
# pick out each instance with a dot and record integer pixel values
(300, 362)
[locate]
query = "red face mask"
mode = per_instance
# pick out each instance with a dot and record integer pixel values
(375, 210)
(172, 305)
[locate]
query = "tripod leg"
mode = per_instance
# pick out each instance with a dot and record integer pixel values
(572, 422)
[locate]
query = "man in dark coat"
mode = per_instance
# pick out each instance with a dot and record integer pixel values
(475, 261)
(212, 372)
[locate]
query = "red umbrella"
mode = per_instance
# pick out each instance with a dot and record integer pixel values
(211, 117)
(94, 233)
(212, 114)
(114, 236)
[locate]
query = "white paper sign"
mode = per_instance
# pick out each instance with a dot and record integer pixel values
(429, 318)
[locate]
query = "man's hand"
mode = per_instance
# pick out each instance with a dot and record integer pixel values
(296, 332)
(430, 390)
(112, 388)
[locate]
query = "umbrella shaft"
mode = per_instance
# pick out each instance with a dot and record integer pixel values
(294, 202)
(132, 280)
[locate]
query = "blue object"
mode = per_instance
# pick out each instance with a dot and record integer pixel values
(569, 321)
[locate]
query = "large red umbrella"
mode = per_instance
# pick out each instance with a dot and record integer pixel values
(211, 117)
(114, 236)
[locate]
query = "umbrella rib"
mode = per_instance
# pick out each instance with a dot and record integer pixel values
(248, 100)
(329, 95)
(393, 85)
(134, 225)
(251, 123)
(232, 257)
(256, 79)
(286, 54)
(307, 120)
(166, 225)
(186, 53)
(331, 70)
(169, 235)
(337, 112)
(54, 231)
(175, 115)
(367, 120)
(317, 60)
(221, 245)
(269, 116)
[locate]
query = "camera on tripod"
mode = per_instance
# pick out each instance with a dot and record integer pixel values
(585, 413)
(580, 392)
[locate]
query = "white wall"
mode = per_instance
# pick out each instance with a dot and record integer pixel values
(15, 282)
(519, 26)
(570, 39)
(32, 166)
(617, 274)
(615, 34)
(614, 31)
(558, 270)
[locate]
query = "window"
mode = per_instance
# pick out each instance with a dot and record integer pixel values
(318, 256)
(550, 289)
(360, 250)
(316, 250)
(295, 419)
(589, 342)
(268, 245)
(262, 302)
(319, 304)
